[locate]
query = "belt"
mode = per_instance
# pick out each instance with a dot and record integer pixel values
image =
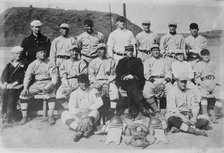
(145, 51)
(63, 56)
(158, 76)
(73, 77)
(208, 77)
(45, 79)
(118, 53)
(90, 56)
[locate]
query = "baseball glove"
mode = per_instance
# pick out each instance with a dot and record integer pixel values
(159, 90)
(139, 141)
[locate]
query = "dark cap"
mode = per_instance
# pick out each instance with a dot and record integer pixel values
(40, 48)
(194, 26)
(120, 18)
(205, 52)
(129, 47)
(88, 22)
(83, 78)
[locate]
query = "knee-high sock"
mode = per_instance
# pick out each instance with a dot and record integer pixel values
(218, 106)
(204, 106)
(51, 106)
(24, 107)
(153, 104)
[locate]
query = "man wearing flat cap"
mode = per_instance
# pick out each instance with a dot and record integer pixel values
(102, 75)
(12, 79)
(130, 77)
(42, 72)
(60, 46)
(145, 39)
(118, 39)
(33, 41)
(88, 41)
(69, 70)
(194, 44)
(171, 42)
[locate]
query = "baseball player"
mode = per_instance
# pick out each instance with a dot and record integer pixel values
(60, 46)
(102, 75)
(209, 84)
(144, 41)
(118, 39)
(83, 108)
(194, 44)
(44, 75)
(158, 77)
(88, 41)
(183, 109)
(69, 71)
(171, 42)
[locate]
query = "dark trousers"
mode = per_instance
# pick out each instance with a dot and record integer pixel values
(174, 121)
(134, 94)
(9, 102)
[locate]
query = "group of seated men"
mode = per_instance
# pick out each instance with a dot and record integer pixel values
(83, 85)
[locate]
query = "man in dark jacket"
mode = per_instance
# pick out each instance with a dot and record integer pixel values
(130, 77)
(12, 79)
(33, 41)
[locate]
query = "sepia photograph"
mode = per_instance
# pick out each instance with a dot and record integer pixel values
(103, 76)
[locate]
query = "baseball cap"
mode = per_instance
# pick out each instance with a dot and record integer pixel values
(36, 23)
(64, 25)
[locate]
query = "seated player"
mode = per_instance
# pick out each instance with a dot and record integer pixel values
(83, 108)
(40, 77)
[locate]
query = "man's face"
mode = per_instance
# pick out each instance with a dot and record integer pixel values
(182, 84)
(180, 57)
(146, 27)
(155, 52)
(205, 58)
(89, 28)
(172, 29)
(74, 53)
(64, 31)
(17, 55)
(129, 53)
(102, 52)
(120, 24)
(194, 32)
(36, 29)
(41, 55)
(83, 86)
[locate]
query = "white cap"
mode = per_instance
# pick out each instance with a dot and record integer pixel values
(16, 49)
(172, 23)
(36, 23)
(64, 25)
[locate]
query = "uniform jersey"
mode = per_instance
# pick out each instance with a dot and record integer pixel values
(80, 99)
(101, 69)
(61, 46)
(118, 39)
(169, 43)
(182, 69)
(156, 67)
(195, 45)
(144, 40)
(88, 43)
(178, 101)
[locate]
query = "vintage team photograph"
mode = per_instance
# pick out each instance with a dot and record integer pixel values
(103, 75)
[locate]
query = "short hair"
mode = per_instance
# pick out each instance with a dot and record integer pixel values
(40, 48)
(194, 26)
(205, 52)
(83, 78)
(88, 22)
(120, 18)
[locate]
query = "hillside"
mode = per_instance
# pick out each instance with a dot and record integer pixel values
(14, 22)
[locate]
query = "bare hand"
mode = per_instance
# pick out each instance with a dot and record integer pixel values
(25, 92)
(193, 120)
(9, 86)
